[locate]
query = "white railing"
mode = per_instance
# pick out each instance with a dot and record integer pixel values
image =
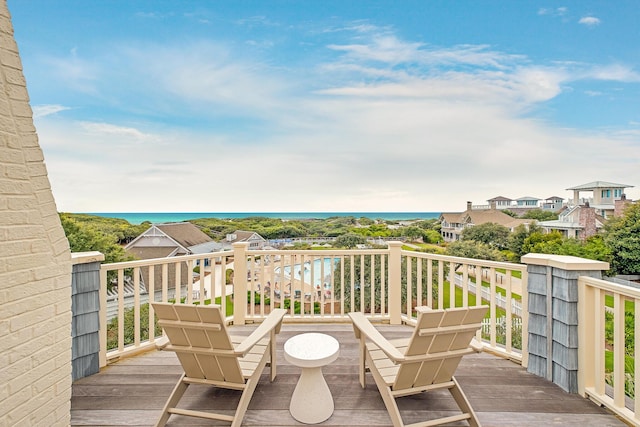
(314, 286)
(501, 300)
(595, 298)
(434, 277)
(516, 323)
(127, 324)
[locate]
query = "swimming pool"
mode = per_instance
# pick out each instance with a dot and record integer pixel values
(320, 266)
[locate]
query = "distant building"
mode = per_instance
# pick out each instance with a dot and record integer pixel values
(164, 240)
(553, 203)
(522, 205)
(528, 202)
(255, 240)
(577, 222)
(603, 196)
(170, 240)
(500, 202)
(453, 224)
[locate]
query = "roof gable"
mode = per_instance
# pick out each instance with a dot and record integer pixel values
(185, 233)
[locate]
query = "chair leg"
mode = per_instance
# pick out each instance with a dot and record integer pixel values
(387, 397)
(463, 403)
(173, 400)
(247, 392)
(362, 364)
(272, 357)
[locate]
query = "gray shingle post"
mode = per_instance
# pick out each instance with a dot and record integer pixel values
(553, 315)
(85, 309)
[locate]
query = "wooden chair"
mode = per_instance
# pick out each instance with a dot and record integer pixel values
(210, 356)
(425, 361)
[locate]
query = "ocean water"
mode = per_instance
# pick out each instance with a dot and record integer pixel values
(163, 217)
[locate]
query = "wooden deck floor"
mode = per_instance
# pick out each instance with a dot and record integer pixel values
(133, 391)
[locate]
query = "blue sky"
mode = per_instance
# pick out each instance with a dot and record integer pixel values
(260, 106)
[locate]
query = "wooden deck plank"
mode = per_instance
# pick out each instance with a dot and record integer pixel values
(133, 391)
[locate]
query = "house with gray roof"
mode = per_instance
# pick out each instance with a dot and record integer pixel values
(553, 203)
(255, 240)
(578, 222)
(453, 224)
(603, 196)
(500, 202)
(170, 240)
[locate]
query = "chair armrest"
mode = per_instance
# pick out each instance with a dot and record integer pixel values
(476, 345)
(162, 343)
(365, 327)
(272, 321)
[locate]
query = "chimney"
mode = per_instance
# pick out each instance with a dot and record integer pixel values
(588, 221)
(620, 205)
(468, 206)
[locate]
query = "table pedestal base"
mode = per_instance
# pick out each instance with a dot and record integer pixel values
(311, 402)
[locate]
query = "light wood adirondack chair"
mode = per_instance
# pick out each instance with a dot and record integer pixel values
(210, 356)
(426, 361)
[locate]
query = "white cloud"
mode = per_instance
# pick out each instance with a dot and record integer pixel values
(115, 130)
(46, 110)
(386, 125)
(559, 11)
(74, 72)
(589, 21)
(613, 72)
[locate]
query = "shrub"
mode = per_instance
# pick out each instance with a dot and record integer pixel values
(129, 333)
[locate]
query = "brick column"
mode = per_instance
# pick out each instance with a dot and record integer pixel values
(553, 315)
(35, 263)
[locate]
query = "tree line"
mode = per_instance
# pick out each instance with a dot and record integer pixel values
(618, 243)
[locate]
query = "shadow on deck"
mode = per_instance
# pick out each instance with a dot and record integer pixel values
(133, 391)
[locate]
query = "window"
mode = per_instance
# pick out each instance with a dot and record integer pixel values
(617, 192)
(606, 194)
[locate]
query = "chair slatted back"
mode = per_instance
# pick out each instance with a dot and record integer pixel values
(200, 340)
(442, 337)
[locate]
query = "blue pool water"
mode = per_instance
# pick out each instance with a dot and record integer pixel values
(320, 266)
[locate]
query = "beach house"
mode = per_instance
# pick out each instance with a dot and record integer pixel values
(603, 196)
(453, 224)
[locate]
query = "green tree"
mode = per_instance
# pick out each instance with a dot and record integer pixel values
(540, 215)
(413, 232)
(474, 249)
(622, 237)
(84, 236)
(539, 242)
(489, 233)
(432, 236)
(515, 242)
(361, 267)
(349, 240)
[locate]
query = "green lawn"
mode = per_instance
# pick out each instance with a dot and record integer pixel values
(628, 304)
(229, 304)
(629, 366)
(446, 293)
(514, 273)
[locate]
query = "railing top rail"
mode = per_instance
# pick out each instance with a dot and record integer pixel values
(159, 261)
(472, 261)
(327, 252)
(627, 291)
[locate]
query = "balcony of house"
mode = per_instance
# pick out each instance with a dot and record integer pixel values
(552, 343)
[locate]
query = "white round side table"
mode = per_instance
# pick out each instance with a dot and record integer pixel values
(311, 402)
